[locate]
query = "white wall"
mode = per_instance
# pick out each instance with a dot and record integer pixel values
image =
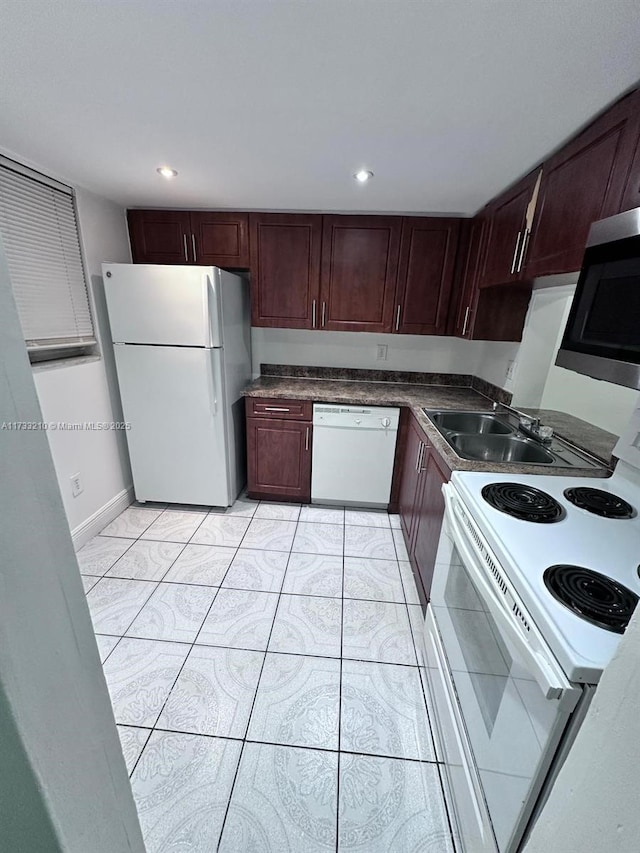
(358, 349)
(593, 805)
(87, 392)
(63, 782)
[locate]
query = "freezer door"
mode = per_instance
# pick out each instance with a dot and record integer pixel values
(172, 398)
(169, 305)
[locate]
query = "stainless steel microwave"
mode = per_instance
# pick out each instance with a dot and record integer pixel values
(602, 336)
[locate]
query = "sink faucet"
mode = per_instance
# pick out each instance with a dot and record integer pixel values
(529, 425)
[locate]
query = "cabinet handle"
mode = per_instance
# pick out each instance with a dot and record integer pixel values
(466, 320)
(420, 468)
(324, 313)
(193, 244)
(418, 455)
(523, 248)
(515, 253)
(398, 318)
(186, 251)
(275, 409)
(306, 439)
(313, 314)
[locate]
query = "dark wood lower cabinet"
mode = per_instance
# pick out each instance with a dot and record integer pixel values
(279, 459)
(421, 503)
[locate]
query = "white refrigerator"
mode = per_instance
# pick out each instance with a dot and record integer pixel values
(181, 339)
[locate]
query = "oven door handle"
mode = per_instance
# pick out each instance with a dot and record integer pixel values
(546, 671)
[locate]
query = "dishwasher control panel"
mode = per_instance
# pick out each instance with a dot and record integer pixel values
(356, 417)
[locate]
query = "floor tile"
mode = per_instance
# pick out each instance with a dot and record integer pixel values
(106, 644)
(401, 548)
(366, 518)
(100, 553)
(181, 786)
(243, 506)
(214, 692)
(378, 580)
(270, 534)
(276, 511)
(408, 583)
(114, 603)
(131, 523)
(140, 674)
(322, 514)
(384, 711)
(132, 740)
(314, 574)
(284, 801)
(307, 625)
(394, 521)
(147, 561)
(239, 619)
(376, 542)
(174, 612)
(391, 805)
(221, 530)
(257, 569)
(315, 538)
(175, 525)
(297, 702)
(376, 630)
(89, 581)
(201, 564)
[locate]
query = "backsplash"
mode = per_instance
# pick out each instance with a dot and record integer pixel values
(353, 374)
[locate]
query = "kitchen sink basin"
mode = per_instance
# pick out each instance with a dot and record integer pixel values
(500, 448)
(500, 436)
(471, 422)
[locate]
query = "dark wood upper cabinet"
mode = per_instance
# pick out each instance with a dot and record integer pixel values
(183, 237)
(220, 239)
(506, 233)
(160, 236)
(471, 245)
(425, 275)
(583, 182)
(358, 273)
(285, 266)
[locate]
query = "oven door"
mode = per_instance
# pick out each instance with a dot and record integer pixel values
(511, 700)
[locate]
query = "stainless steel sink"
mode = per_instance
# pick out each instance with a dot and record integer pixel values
(497, 437)
(500, 448)
(471, 422)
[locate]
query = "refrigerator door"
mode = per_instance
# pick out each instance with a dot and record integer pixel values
(173, 399)
(168, 305)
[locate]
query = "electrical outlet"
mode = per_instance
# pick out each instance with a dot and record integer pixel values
(511, 368)
(76, 485)
(381, 352)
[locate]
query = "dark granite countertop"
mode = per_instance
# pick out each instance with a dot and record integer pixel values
(414, 395)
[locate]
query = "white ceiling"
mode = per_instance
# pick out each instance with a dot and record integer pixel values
(273, 104)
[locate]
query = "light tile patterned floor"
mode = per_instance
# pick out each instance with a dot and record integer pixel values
(264, 668)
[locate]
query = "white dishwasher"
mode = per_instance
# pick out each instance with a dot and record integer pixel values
(353, 452)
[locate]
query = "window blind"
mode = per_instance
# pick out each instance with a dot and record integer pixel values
(40, 236)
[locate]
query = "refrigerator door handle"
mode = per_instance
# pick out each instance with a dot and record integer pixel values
(212, 310)
(214, 396)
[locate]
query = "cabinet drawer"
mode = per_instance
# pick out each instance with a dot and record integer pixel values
(266, 407)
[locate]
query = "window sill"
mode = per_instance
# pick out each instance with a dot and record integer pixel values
(57, 363)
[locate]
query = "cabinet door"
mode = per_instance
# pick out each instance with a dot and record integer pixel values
(407, 498)
(160, 236)
(429, 517)
(425, 275)
(359, 269)
(582, 183)
(279, 459)
(220, 239)
(472, 247)
(285, 267)
(505, 233)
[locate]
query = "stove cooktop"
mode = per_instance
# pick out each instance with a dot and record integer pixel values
(608, 545)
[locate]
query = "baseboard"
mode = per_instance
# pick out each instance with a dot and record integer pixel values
(94, 524)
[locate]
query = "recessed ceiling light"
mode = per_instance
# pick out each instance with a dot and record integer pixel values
(363, 176)
(166, 172)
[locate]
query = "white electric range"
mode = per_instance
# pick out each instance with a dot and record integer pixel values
(531, 594)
